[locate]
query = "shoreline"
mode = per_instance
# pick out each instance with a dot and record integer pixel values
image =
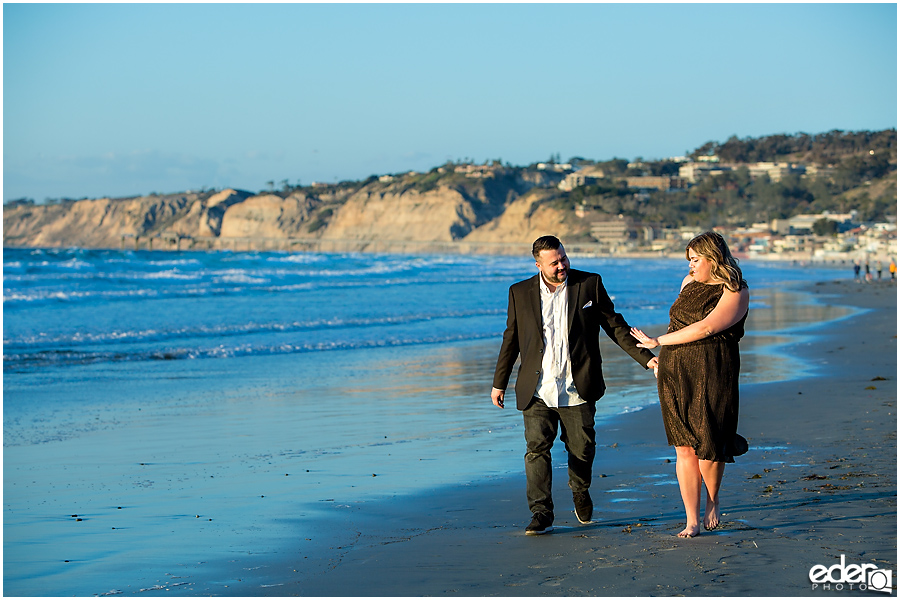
(417, 248)
(819, 481)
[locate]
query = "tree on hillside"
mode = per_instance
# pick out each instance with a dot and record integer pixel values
(707, 149)
(823, 148)
(825, 227)
(666, 168)
(616, 166)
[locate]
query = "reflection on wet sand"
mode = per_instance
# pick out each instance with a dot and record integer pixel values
(788, 310)
(777, 318)
(770, 331)
(464, 372)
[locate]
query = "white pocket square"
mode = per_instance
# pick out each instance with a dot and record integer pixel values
(588, 305)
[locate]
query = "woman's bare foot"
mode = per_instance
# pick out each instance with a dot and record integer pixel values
(690, 531)
(711, 519)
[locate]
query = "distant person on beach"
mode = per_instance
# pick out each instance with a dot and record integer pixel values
(868, 272)
(553, 322)
(878, 269)
(856, 270)
(697, 375)
(893, 269)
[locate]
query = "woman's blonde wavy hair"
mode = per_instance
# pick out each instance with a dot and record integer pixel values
(724, 267)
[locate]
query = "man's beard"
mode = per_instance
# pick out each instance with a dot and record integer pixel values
(558, 278)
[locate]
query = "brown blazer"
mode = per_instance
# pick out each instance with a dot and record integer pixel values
(590, 309)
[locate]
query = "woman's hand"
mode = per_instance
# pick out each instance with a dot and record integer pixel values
(645, 340)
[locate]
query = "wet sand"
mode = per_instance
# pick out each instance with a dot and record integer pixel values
(819, 481)
(202, 495)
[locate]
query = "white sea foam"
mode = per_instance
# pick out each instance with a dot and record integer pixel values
(169, 274)
(178, 263)
(22, 361)
(84, 338)
(300, 258)
(239, 277)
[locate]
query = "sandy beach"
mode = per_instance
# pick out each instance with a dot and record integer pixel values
(819, 482)
(197, 491)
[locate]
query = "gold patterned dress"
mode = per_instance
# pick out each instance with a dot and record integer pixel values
(698, 381)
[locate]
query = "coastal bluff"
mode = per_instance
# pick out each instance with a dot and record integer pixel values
(503, 210)
(838, 187)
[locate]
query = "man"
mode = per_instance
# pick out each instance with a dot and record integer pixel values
(553, 322)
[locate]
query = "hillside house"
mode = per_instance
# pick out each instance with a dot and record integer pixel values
(662, 183)
(586, 176)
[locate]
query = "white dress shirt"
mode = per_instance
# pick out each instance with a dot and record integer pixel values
(556, 386)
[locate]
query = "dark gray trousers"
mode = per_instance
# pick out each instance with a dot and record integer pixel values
(541, 426)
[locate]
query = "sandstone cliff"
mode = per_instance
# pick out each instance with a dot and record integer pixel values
(526, 219)
(495, 209)
(268, 216)
(105, 222)
(100, 223)
(505, 208)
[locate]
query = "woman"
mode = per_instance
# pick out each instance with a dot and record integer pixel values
(698, 372)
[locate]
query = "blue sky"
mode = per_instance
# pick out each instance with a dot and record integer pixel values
(127, 99)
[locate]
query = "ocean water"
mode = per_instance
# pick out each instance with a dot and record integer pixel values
(185, 406)
(69, 308)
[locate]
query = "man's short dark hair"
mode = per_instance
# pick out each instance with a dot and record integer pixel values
(545, 242)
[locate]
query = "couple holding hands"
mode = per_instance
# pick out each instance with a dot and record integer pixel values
(553, 323)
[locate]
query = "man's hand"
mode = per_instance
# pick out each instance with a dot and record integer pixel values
(654, 364)
(497, 397)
